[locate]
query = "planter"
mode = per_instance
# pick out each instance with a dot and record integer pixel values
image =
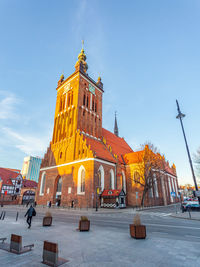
(47, 221)
(138, 231)
(84, 225)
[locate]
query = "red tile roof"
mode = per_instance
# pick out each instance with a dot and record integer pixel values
(134, 157)
(110, 193)
(118, 144)
(29, 183)
(6, 175)
(99, 149)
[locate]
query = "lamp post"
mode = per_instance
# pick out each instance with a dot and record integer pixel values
(180, 116)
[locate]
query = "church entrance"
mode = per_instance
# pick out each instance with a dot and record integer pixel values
(58, 191)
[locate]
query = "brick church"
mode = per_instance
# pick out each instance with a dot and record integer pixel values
(86, 165)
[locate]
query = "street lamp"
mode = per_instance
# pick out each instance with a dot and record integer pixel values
(180, 116)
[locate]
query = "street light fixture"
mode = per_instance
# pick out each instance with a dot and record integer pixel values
(180, 116)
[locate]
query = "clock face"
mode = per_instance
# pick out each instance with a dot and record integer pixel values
(66, 88)
(92, 89)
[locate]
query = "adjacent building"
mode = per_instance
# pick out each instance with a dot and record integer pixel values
(86, 165)
(10, 185)
(31, 168)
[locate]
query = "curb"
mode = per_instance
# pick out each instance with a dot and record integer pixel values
(156, 207)
(192, 219)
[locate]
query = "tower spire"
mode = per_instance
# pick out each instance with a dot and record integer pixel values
(81, 63)
(116, 131)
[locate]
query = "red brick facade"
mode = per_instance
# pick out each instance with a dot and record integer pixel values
(83, 157)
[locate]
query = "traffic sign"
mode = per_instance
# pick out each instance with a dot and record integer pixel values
(197, 193)
(173, 194)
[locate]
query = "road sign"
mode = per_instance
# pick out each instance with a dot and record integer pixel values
(136, 194)
(173, 194)
(197, 193)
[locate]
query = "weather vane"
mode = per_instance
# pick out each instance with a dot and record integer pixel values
(82, 44)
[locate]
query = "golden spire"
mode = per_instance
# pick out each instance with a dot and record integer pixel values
(81, 63)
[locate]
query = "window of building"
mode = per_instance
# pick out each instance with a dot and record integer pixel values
(100, 176)
(42, 184)
(112, 182)
(96, 107)
(59, 185)
(81, 180)
(84, 100)
(123, 181)
(87, 101)
(155, 185)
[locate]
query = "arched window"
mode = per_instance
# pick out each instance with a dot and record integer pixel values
(101, 177)
(112, 181)
(42, 183)
(123, 181)
(59, 185)
(136, 177)
(81, 180)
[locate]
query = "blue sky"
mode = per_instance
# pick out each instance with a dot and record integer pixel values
(147, 53)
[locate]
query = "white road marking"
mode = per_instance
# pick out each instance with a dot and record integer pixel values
(192, 236)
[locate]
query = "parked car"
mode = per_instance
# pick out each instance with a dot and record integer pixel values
(190, 205)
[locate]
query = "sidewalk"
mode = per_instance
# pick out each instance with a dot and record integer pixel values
(101, 247)
(195, 215)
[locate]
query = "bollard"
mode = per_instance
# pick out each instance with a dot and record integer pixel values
(16, 243)
(17, 216)
(4, 214)
(189, 213)
(50, 254)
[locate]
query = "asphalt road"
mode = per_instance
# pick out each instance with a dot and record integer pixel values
(158, 221)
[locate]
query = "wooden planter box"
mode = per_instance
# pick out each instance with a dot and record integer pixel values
(84, 225)
(47, 221)
(138, 231)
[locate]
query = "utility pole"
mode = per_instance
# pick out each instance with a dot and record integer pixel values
(180, 116)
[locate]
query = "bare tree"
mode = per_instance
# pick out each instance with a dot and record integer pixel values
(150, 164)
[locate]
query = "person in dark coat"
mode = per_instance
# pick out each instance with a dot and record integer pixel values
(30, 213)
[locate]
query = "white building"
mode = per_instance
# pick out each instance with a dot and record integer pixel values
(31, 168)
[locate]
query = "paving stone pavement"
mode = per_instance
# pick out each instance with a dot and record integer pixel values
(109, 247)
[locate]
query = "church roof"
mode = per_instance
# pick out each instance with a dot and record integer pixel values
(118, 144)
(99, 149)
(134, 157)
(28, 183)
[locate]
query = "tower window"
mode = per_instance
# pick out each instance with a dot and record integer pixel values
(96, 107)
(84, 100)
(72, 99)
(93, 105)
(87, 101)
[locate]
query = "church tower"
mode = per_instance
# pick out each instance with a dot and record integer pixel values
(79, 104)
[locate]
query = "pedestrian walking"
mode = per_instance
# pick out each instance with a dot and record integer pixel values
(30, 213)
(50, 204)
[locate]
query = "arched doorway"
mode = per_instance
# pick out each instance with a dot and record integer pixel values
(58, 192)
(28, 197)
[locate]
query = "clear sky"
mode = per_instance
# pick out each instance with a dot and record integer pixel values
(147, 53)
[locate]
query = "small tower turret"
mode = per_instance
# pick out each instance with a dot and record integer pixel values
(116, 131)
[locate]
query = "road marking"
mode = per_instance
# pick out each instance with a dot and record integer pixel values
(159, 233)
(173, 226)
(192, 236)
